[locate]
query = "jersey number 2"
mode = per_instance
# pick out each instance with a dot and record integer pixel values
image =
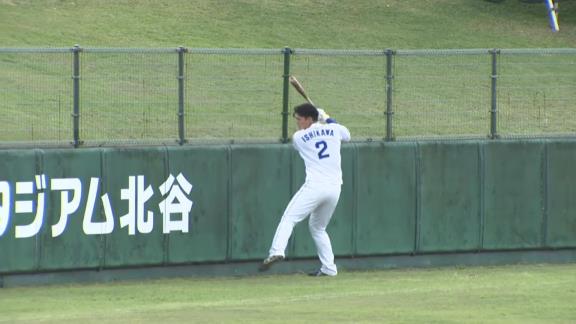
(322, 146)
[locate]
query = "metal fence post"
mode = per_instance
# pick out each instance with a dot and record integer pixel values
(494, 104)
(76, 93)
(181, 135)
(287, 52)
(389, 87)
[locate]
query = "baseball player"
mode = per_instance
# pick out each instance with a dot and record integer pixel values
(318, 143)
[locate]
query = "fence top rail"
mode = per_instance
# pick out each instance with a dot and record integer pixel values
(532, 51)
(112, 50)
(91, 50)
(221, 51)
(35, 50)
(236, 51)
(442, 52)
(433, 52)
(299, 51)
(339, 52)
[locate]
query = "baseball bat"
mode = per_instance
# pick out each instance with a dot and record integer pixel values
(298, 86)
(552, 14)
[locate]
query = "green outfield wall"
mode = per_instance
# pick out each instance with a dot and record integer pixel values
(113, 208)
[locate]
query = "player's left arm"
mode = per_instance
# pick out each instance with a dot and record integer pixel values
(344, 133)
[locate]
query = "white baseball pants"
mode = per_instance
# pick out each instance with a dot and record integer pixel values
(318, 201)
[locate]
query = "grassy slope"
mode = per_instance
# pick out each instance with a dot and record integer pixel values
(511, 294)
(276, 23)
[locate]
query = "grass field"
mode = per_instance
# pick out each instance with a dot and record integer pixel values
(369, 24)
(503, 294)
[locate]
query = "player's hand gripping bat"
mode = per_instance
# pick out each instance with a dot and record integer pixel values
(298, 86)
(323, 117)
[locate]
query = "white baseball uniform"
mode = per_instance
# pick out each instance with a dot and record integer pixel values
(319, 147)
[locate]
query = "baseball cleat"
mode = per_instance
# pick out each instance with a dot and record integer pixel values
(318, 273)
(269, 261)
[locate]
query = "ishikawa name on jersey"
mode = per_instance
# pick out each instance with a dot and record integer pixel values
(319, 147)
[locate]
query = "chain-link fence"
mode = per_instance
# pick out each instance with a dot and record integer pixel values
(88, 96)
